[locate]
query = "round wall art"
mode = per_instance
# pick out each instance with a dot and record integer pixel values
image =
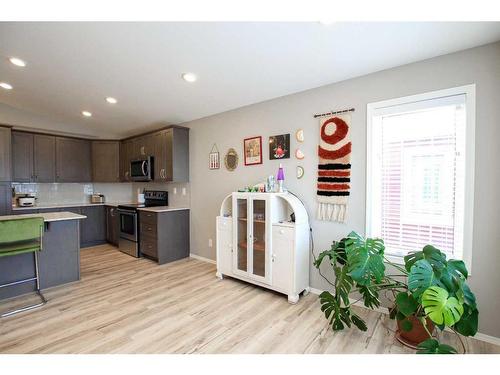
(299, 154)
(299, 135)
(231, 159)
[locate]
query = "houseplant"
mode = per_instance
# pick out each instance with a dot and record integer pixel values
(428, 290)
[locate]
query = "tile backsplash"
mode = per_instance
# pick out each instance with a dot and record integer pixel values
(66, 193)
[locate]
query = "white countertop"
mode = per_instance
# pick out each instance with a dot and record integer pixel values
(163, 209)
(47, 217)
(64, 205)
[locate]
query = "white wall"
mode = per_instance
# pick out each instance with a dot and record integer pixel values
(287, 114)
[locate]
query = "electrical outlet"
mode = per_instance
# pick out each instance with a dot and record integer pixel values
(210, 243)
(175, 190)
(183, 191)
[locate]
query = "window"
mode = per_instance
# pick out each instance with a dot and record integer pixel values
(420, 172)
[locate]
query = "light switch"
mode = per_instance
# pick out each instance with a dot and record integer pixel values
(210, 243)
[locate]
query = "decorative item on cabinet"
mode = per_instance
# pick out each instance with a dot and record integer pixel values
(252, 150)
(231, 159)
(214, 158)
(280, 177)
(279, 147)
(256, 242)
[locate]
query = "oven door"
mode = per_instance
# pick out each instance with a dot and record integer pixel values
(128, 225)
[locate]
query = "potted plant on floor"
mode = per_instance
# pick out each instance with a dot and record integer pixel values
(428, 291)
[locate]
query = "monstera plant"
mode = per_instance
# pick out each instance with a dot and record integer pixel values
(427, 291)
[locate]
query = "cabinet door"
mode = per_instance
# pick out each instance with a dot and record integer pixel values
(105, 161)
(125, 157)
(282, 257)
(240, 235)
(5, 198)
(260, 254)
(5, 154)
(160, 144)
(112, 225)
(44, 158)
(22, 157)
(179, 155)
(224, 245)
(73, 160)
(93, 228)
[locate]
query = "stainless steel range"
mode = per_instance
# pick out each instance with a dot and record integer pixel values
(129, 220)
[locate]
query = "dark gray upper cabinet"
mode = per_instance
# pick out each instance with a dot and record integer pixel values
(5, 198)
(172, 155)
(22, 157)
(44, 158)
(33, 157)
(106, 161)
(5, 142)
(125, 157)
(73, 160)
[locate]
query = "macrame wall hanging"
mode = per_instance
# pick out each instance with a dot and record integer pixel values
(334, 169)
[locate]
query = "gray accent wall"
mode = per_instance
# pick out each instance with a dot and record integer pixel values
(289, 113)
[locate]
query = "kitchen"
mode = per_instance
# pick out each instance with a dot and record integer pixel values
(131, 193)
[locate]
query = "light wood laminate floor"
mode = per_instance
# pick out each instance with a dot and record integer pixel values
(128, 305)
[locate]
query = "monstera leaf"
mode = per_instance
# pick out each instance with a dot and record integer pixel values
(335, 254)
(338, 315)
(370, 296)
(343, 284)
(452, 275)
(440, 307)
(421, 277)
(435, 257)
(466, 296)
(467, 325)
(365, 259)
(432, 346)
(406, 304)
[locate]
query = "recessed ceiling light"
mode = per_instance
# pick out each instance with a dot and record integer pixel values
(87, 113)
(111, 100)
(189, 77)
(5, 86)
(17, 61)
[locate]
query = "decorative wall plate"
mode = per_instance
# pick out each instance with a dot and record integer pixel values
(300, 171)
(231, 159)
(299, 154)
(299, 135)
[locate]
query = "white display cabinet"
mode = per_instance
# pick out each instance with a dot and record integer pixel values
(257, 241)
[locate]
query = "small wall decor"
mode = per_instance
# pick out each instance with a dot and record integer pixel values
(214, 158)
(299, 135)
(300, 172)
(253, 150)
(231, 159)
(279, 147)
(299, 154)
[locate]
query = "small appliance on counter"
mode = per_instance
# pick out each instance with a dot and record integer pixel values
(26, 201)
(97, 198)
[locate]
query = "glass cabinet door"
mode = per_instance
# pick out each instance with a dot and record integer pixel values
(242, 235)
(259, 254)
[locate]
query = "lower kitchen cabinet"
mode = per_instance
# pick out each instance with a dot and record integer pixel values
(5, 198)
(112, 225)
(164, 236)
(93, 228)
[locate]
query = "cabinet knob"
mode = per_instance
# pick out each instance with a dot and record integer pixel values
(282, 231)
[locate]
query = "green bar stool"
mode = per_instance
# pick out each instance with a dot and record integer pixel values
(21, 236)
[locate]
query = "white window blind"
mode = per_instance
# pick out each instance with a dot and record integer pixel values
(417, 173)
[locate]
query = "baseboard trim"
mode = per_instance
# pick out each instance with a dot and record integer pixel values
(479, 336)
(203, 259)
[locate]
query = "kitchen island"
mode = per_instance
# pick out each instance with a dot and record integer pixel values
(59, 260)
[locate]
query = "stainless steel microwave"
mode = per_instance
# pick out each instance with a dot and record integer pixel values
(142, 169)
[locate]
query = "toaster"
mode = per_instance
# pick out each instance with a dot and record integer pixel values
(97, 198)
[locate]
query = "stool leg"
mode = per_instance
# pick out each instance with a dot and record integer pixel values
(30, 307)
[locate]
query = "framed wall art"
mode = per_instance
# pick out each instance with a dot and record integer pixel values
(214, 158)
(252, 149)
(279, 147)
(231, 159)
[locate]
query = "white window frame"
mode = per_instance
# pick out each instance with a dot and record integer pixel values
(470, 107)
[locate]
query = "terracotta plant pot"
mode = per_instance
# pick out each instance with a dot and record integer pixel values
(416, 335)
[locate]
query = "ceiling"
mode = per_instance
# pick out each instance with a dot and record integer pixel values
(74, 66)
